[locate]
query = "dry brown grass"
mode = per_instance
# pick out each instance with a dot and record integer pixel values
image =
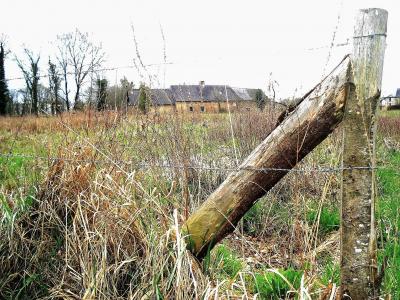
(102, 228)
(94, 234)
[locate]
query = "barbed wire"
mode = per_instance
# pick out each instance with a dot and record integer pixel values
(198, 167)
(343, 44)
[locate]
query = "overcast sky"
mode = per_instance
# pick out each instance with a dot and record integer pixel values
(238, 43)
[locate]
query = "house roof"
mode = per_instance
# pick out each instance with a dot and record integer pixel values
(157, 96)
(245, 94)
(195, 93)
(184, 93)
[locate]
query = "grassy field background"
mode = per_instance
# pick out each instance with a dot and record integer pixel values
(91, 205)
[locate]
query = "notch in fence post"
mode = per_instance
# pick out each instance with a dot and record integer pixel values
(358, 238)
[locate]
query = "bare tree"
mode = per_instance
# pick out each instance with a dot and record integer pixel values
(44, 98)
(30, 71)
(83, 56)
(62, 58)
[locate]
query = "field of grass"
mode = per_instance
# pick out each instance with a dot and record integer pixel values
(91, 206)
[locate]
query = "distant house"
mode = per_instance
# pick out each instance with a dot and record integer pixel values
(391, 102)
(199, 98)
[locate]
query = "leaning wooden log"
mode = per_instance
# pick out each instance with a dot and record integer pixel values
(303, 129)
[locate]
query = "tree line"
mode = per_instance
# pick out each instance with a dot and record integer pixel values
(73, 79)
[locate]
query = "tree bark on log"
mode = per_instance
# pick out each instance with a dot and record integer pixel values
(358, 237)
(303, 129)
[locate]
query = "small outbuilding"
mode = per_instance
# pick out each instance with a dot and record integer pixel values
(391, 102)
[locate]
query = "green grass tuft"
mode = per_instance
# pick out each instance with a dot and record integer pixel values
(271, 285)
(227, 262)
(329, 219)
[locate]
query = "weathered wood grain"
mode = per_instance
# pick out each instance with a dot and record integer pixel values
(358, 238)
(306, 127)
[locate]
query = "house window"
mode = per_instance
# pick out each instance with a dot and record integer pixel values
(202, 109)
(190, 108)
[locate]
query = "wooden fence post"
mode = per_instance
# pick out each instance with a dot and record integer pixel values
(303, 129)
(358, 238)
